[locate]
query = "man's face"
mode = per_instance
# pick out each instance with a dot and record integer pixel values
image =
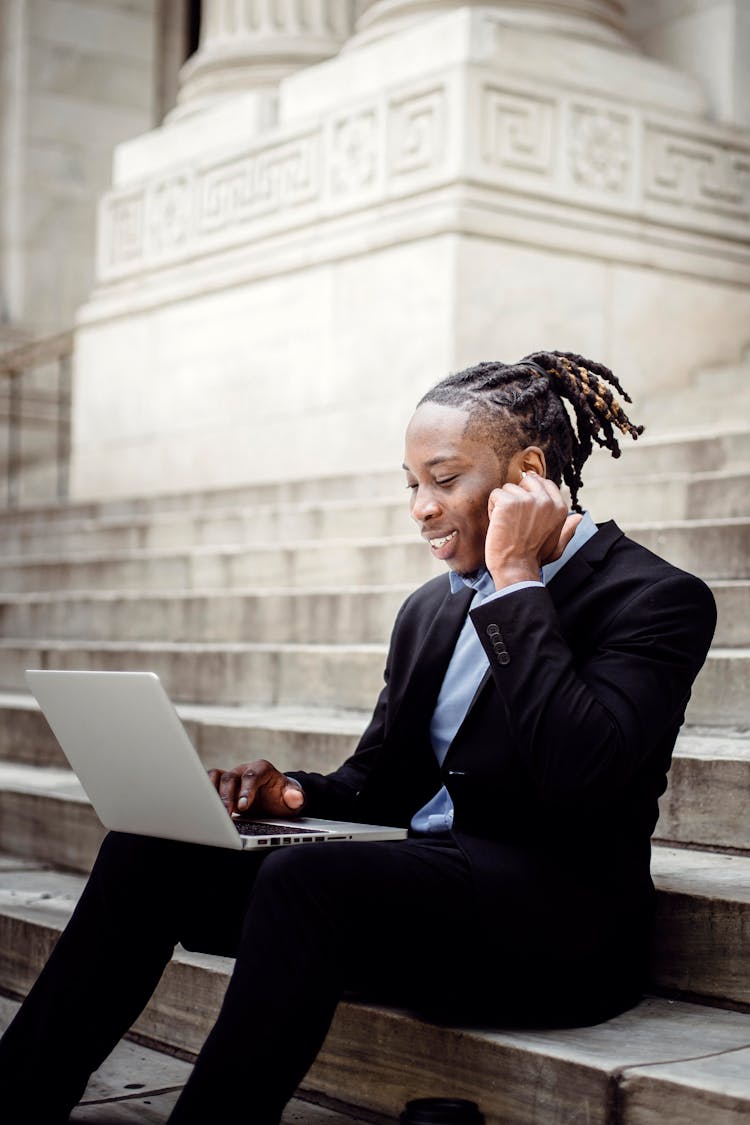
(450, 474)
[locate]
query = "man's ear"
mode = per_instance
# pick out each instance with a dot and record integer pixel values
(529, 460)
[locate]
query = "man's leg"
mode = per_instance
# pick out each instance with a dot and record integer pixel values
(322, 919)
(142, 897)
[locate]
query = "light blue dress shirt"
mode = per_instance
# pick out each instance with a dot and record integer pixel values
(467, 669)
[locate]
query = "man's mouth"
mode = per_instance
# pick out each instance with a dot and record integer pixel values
(436, 544)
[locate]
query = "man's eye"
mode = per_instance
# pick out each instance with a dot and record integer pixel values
(411, 484)
(447, 480)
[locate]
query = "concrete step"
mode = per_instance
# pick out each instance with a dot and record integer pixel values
(720, 395)
(663, 1061)
(158, 1079)
(346, 676)
(656, 452)
(721, 694)
(702, 895)
(360, 562)
(292, 737)
(46, 818)
(663, 497)
(332, 519)
(359, 614)
(714, 549)
(704, 806)
(692, 450)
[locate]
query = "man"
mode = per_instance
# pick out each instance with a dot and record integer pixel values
(531, 704)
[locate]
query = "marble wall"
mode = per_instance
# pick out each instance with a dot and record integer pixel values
(274, 293)
(76, 78)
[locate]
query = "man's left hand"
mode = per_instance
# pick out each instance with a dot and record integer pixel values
(529, 526)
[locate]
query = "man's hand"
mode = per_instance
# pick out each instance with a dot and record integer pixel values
(529, 526)
(257, 788)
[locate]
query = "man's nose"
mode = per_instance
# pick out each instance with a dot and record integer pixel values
(424, 504)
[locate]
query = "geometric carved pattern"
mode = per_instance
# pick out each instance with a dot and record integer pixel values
(518, 131)
(684, 170)
(601, 148)
(125, 217)
(353, 159)
(272, 179)
(416, 132)
(515, 140)
(169, 210)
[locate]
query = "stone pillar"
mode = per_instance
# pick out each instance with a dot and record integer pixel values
(598, 20)
(252, 44)
(692, 35)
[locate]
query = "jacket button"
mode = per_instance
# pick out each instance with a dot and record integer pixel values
(503, 657)
(493, 631)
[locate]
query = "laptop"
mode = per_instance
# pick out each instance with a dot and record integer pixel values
(138, 767)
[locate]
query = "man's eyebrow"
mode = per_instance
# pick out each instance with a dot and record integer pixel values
(439, 460)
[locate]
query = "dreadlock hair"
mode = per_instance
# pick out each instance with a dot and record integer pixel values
(530, 394)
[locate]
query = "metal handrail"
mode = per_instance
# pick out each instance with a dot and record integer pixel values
(15, 365)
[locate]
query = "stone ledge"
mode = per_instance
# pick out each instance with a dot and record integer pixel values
(325, 675)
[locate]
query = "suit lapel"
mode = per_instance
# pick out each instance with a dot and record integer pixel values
(431, 659)
(584, 563)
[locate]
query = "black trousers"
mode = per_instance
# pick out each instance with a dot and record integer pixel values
(305, 924)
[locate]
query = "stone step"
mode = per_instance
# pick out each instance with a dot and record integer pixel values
(45, 816)
(363, 614)
(663, 1061)
(664, 497)
(701, 895)
(653, 454)
(158, 1078)
(292, 737)
(661, 451)
(721, 694)
(720, 395)
(359, 614)
(714, 549)
(362, 562)
(368, 517)
(346, 676)
(704, 805)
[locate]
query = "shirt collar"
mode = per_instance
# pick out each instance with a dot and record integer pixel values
(481, 580)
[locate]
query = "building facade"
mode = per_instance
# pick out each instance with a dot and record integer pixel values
(334, 204)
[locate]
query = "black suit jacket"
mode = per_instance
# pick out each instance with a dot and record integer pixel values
(556, 770)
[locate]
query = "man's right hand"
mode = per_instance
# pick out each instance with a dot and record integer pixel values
(257, 788)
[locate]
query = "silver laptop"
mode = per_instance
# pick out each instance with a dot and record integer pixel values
(138, 767)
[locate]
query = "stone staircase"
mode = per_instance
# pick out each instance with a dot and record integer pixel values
(266, 612)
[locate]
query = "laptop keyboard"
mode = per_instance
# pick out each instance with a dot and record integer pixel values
(258, 828)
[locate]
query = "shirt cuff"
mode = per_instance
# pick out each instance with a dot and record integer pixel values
(501, 593)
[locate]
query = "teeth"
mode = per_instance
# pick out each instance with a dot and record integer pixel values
(436, 544)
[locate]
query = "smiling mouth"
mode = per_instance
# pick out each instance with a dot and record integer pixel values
(436, 544)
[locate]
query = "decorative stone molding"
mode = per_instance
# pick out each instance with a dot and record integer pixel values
(602, 20)
(537, 145)
(601, 149)
(686, 171)
(253, 44)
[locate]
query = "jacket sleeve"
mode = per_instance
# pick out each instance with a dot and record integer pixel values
(334, 795)
(582, 728)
